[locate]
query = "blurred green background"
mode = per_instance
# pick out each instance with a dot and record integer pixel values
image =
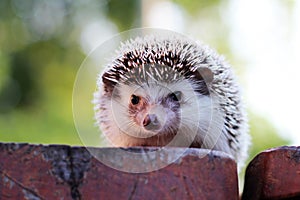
(43, 43)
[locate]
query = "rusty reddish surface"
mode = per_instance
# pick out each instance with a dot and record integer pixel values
(274, 174)
(25, 174)
(192, 178)
(63, 172)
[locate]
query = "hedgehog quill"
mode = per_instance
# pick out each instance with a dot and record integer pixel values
(171, 91)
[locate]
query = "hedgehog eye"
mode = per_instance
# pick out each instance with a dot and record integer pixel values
(175, 96)
(135, 99)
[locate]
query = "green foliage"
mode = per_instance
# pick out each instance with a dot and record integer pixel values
(42, 113)
(264, 135)
(125, 13)
(193, 7)
(4, 67)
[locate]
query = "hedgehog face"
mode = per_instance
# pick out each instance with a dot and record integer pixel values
(154, 103)
(156, 109)
(155, 115)
(150, 109)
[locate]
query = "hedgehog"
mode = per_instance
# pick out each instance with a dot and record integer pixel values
(171, 91)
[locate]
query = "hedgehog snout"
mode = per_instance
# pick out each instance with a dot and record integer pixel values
(151, 122)
(155, 118)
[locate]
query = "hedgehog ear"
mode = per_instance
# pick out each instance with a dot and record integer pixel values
(206, 74)
(108, 83)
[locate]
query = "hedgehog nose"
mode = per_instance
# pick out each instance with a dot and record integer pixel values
(151, 122)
